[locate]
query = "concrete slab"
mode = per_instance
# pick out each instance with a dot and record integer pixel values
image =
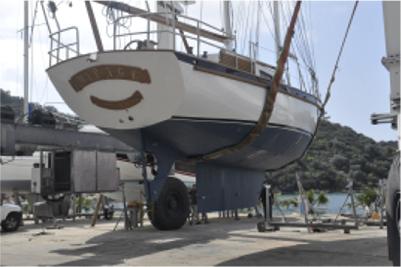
(222, 242)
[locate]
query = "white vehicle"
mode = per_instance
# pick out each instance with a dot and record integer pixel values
(11, 217)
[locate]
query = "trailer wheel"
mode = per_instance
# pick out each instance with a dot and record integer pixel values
(12, 222)
(54, 197)
(171, 209)
(108, 214)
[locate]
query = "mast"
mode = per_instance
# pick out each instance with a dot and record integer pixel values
(276, 22)
(26, 57)
(227, 24)
(165, 38)
(257, 29)
(164, 20)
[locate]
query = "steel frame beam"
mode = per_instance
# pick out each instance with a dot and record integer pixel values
(44, 138)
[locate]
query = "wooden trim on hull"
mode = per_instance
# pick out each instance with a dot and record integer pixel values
(242, 76)
(229, 76)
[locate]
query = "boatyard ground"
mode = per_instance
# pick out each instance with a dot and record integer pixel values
(222, 242)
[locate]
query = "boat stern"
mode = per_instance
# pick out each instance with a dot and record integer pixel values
(121, 89)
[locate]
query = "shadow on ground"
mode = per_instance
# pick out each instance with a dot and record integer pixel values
(29, 225)
(357, 252)
(114, 247)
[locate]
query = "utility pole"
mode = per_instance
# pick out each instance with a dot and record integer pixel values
(26, 57)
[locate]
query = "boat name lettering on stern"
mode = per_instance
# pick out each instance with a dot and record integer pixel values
(108, 72)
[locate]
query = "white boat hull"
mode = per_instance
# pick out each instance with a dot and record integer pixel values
(190, 111)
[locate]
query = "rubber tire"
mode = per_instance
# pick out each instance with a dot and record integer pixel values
(108, 214)
(12, 216)
(54, 198)
(171, 209)
(393, 234)
(393, 238)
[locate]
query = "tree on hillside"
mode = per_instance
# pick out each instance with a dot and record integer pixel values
(338, 153)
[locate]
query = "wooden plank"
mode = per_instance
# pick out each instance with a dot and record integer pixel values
(165, 21)
(235, 61)
(95, 214)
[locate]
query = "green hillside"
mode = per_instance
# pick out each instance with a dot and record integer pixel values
(338, 152)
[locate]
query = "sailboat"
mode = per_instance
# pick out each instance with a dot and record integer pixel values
(177, 106)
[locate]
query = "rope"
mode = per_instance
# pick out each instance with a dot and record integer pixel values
(326, 99)
(333, 75)
(270, 98)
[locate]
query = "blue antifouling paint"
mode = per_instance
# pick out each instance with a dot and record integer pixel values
(226, 188)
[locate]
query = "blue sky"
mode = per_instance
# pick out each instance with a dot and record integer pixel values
(362, 83)
(361, 87)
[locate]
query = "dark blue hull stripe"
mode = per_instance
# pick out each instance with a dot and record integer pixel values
(240, 122)
(276, 146)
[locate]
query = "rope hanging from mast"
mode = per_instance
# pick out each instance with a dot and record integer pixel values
(333, 75)
(270, 98)
(326, 99)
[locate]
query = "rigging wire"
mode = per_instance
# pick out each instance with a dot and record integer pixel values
(251, 27)
(246, 31)
(45, 88)
(201, 11)
(302, 48)
(240, 23)
(322, 108)
(264, 16)
(33, 21)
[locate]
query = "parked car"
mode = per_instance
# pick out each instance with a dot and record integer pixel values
(11, 217)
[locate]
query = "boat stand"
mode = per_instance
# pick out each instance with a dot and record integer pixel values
(269, 225)
(127, 221)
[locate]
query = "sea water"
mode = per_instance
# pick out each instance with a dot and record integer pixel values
(333, 206)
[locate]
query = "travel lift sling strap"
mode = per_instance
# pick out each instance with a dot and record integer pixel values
(271, 95)
(270, 98)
